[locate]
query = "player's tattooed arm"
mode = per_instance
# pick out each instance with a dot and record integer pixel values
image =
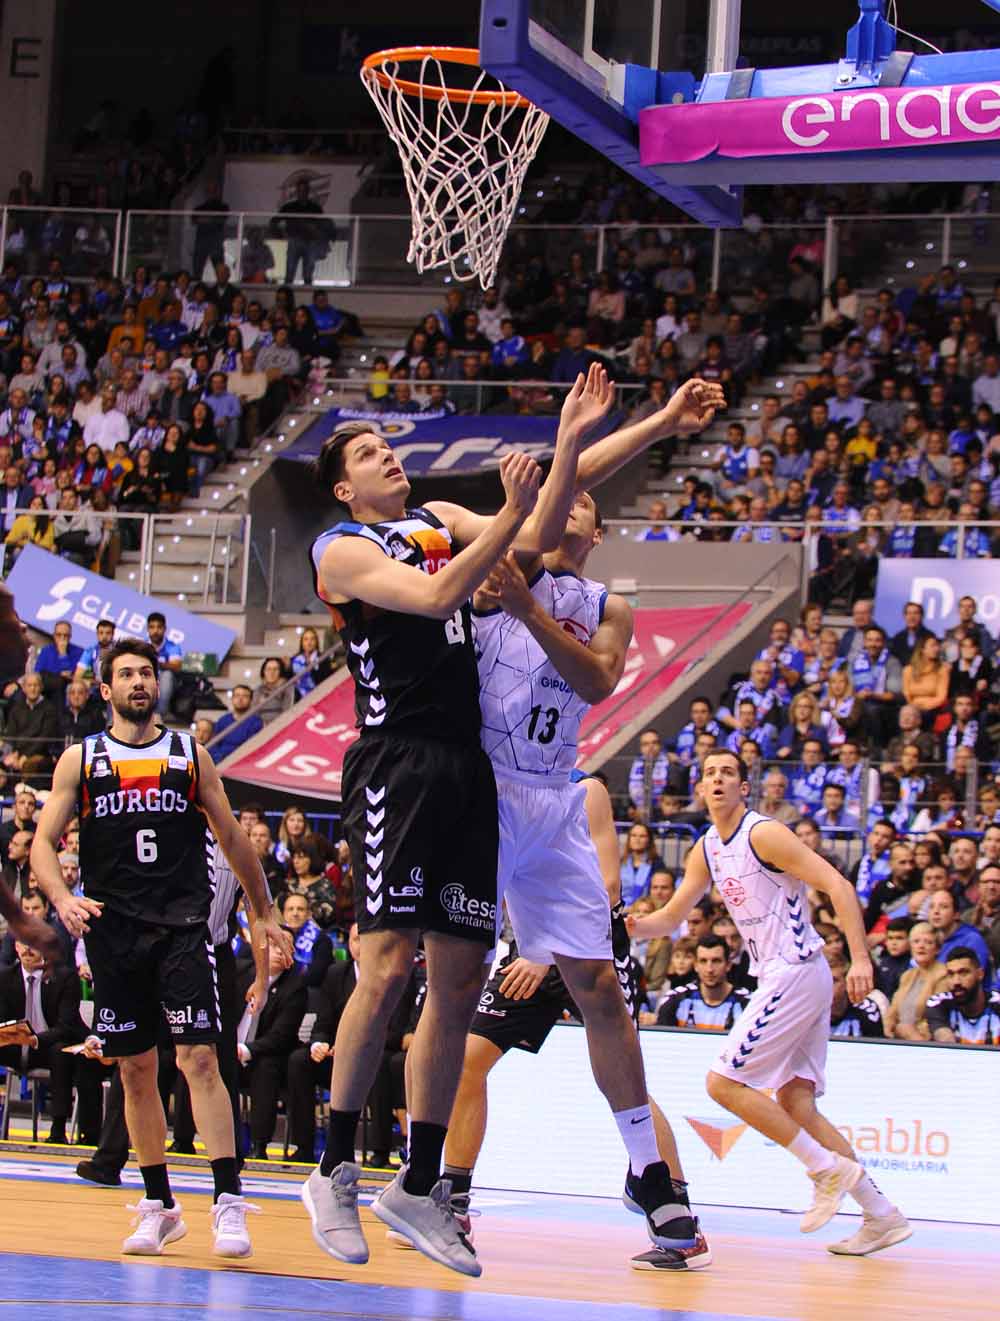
(592, 671)
(354, 568)
(664, 922)
(75, 912)
(783, 850)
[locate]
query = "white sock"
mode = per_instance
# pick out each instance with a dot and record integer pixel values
(639, 1136)
(813, 1156)
(871, 1199)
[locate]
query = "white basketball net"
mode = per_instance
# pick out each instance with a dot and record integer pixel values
(464, 164)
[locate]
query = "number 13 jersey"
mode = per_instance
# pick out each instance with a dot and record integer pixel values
(531, 715)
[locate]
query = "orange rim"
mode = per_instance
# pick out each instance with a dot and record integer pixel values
(446, 55)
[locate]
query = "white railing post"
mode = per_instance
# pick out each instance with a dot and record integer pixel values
(245, 566)
(946, 242)
(238, 273)
(210, 570)
(126, 239)
(829, 254)
(116, 265)
(355, 241)
(144, 539)
(600, 248)
(716, 260)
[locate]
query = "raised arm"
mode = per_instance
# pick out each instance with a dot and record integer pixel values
(780, 848)
(242, 858)
(592, 671)
(75, 913)
(354, 568)
(697, 880)
(690, 409)
(586, 403)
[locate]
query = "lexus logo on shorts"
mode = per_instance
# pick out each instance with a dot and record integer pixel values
(107, 1015)
(486, 998)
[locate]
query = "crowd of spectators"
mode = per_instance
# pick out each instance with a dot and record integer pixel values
(880, 746)
(126, 395)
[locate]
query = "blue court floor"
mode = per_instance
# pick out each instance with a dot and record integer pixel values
(54, 1289)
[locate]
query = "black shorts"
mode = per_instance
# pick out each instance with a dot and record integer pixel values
(146, 974)
(621, 952)
(522, 1024)
(421, 821)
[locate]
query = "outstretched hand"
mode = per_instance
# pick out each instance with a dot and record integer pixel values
(587, 402)
(692, 407)
(521, 477)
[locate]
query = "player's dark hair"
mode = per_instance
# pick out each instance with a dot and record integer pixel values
(329, 465)
(129, 647)
(712, 941)
(963, 952)
(156, 617)
(725, 752)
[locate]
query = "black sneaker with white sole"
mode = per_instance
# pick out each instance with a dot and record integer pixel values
(669, 1221)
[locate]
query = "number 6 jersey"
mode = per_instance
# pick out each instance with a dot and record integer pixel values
(531, 715)
(144, 841)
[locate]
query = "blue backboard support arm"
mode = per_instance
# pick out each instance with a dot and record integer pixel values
(506, 51)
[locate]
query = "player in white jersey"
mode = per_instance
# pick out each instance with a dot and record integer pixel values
(761, 869)
(549, 644)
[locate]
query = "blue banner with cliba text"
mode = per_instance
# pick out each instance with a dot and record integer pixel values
(49, 590)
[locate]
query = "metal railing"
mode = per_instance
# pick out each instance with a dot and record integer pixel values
(470, 396)
(218, 577)
(86, 240)
(280, 694)
(799, 532)
(370, 249)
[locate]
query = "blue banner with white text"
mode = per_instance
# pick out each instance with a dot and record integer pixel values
(439, 444)
(48, 590)
(937, 585)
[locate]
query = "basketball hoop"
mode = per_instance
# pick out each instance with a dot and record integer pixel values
(465, 152)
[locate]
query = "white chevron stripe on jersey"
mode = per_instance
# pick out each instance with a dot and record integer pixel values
(374, 817)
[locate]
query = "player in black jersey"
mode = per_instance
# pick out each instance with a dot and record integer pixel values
(420, 808)
(149, 799)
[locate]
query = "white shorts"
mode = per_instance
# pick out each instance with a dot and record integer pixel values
(783, 1031)
(548, 872)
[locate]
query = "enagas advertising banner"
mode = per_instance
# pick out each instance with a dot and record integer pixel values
(305, 747)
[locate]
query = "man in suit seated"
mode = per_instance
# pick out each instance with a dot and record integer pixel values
(50, 1002)
(264, 1042)
(34, 904)
(309, 1066)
